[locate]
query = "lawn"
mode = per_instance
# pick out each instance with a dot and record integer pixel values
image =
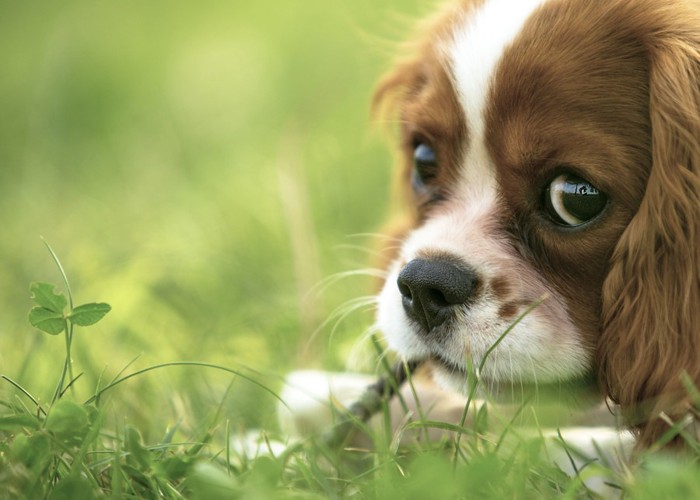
(202, 167)
(208, 169)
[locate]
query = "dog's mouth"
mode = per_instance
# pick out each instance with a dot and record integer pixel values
(448, 365)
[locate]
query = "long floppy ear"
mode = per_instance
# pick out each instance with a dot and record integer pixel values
(651, 297)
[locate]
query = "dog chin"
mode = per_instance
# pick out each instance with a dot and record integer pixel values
(449, 376)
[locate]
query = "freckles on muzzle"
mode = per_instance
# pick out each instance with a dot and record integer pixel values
(433, 290)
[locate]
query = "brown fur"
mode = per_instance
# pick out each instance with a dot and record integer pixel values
(651, 297)
(622, 106)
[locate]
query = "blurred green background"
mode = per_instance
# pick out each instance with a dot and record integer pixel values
(202, 167)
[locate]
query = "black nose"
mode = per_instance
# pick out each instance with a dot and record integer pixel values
(432, 289)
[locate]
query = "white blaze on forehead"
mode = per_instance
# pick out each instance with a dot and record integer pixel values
(477, 47)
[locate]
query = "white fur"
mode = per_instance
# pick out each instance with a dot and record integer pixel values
(309, 398)
(592, 452)
(476, 50)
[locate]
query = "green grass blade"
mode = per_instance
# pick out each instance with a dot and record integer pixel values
(184, 363)
(25, 392)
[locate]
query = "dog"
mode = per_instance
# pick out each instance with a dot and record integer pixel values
(549, 172)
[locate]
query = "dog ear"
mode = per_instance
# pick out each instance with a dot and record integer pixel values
(651, 296)
(387, 109)
(395, 104)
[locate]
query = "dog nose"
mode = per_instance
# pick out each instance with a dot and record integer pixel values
(431, 290)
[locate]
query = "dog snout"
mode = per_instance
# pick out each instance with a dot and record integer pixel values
(431, 290)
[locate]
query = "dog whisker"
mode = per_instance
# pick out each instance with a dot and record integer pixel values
(359, 352)
(322, 286)
(340, 313)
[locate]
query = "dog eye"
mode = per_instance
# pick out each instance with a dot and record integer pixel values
(424, 165)
(571, 201)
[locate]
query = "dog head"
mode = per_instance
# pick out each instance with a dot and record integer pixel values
(550, 163)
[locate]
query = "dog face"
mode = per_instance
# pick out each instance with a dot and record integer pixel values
(551, 158)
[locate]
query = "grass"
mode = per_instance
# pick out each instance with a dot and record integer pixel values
(198, 166)
(66, 448)
(195, 166)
